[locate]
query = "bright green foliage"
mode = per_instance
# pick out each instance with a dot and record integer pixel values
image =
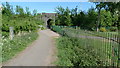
(102, 29)
(21, 20)
(93, 19)
(114, 8)
(106, 18)
(19, 10)
(52, 22)
(85, 48)
(27, 11)
(82, 52)
(7, 10)
(115, 18)
(25, 25)
(63, 16)
(11, 47)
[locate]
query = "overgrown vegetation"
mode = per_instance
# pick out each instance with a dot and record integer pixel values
(25, 26)
(85, 48)
(82, 52)
(82, 49)
(11, 47)
(21, 19)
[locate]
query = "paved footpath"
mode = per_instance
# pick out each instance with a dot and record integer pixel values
(39, 53)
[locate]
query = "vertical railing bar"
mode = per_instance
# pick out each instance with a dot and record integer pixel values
(105, 48)
(116, 47)
(108, 48)
(118, 39)
(111, 36)
(103, 42)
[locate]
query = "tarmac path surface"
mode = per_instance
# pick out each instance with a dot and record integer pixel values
(40, 53)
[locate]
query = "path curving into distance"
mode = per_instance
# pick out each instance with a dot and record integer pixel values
(39, 53)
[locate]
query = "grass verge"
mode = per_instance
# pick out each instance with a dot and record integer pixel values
(11, 47)
(84, 52)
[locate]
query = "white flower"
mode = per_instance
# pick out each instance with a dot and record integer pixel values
(3, 36)
(1, 44)
(9, 48)
(4, 39)
(29, 38)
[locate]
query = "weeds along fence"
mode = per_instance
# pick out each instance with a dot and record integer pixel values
(106, 44)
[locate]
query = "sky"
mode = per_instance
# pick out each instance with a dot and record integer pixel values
(49, 7)
(44, 0)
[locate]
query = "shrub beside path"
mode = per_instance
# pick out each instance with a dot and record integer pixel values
(40, 53)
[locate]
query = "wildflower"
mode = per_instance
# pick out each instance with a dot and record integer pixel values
(4, 39)
(1, 44)
(3, 36)
(29, 38)
(9, 48)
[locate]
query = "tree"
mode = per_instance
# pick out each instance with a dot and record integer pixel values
(92, 19)
(74, 15)
(63, 16)
(7, 9)
(81, 19)
(106, 19)
(20, 11)
(112, 7)
(27, 11)
(60, 10)
(67, 17)
(19, 19)
(99, 6)
(115, 19)
(34, 12)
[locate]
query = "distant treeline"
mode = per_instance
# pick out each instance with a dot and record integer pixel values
(104, 15)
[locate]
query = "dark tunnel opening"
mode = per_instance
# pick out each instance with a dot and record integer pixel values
(48, 23)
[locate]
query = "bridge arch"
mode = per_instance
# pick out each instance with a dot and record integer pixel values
(49, 22)
(48, 17)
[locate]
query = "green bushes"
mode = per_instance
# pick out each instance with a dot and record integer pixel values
(11, 47)
(25, 26)
(80, 48)
(113, 29)
(103, 29)
(89, 20)
(77, 52)
(20, 19)
(20, 24)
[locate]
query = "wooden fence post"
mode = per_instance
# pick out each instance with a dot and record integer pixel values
(11, 34)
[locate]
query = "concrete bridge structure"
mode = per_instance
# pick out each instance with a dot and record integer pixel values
(47, 17)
